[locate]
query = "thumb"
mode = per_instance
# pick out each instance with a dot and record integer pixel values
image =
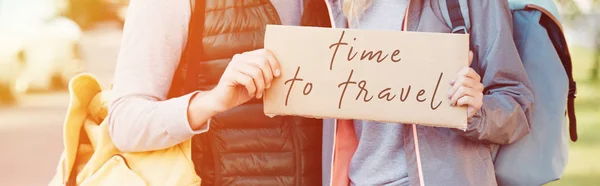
(470, 57)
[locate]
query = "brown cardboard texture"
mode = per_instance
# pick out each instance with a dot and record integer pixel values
(389, 76)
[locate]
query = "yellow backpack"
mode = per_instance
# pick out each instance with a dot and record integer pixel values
(91, 158)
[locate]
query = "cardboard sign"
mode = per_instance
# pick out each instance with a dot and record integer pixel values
(389, 76)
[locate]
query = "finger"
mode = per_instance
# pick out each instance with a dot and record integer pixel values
(466, 82)
(273, 62)
(461, 92)
(468, 72)
(467, 101)
(472, 74)
(246, 81)
(256, 74)
(263, 64)
(470, 57)
(472, 103)
(461, 72)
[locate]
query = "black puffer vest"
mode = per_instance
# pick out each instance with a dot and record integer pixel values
(243, 146)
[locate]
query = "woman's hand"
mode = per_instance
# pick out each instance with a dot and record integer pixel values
(248, 75)
(467, 89)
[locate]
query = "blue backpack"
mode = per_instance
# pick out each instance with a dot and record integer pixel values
(541, 156)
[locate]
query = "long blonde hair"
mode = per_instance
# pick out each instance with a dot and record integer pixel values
(353, 9)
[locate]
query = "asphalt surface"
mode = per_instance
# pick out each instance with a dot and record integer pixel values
(31, 131)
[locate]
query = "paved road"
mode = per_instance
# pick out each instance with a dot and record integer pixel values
(31, 132)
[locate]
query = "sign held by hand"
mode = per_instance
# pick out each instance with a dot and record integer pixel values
(388, 76)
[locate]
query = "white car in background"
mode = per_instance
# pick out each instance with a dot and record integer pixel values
(39, 49)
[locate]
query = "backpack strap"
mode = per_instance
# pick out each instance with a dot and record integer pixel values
(556, 34)
(456, 15)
